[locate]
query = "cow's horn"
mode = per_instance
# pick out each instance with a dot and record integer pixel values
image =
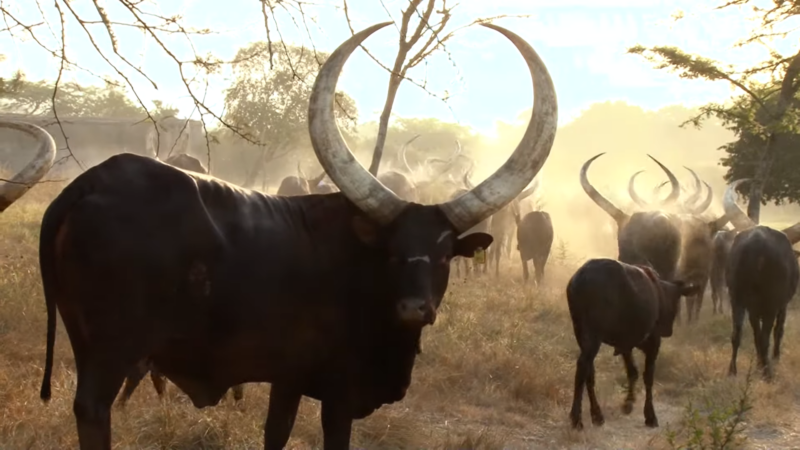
(736, 216)
(514, 175)
(617, 214)
(632, 191)
(676, 187)
(355, 182)
(702, 207)
(31, 174)
(689, 203)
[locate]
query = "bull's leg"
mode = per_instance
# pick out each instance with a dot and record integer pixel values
(778, 334)
(132, 381)
(525, 274)
(281, 414)
(650, 355)
(497, 260)
(99, 380)
(336, 426)
(582, 370)
(716, 299)
(679, 307)
(755, 324)
(767, 323)
(238, 392)
(538, 267)
(633, 376)
(159, 382)
(737, 318)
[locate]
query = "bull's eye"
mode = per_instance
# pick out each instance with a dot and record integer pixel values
(444, 260)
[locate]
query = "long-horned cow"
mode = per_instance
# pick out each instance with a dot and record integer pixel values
(479, 262)
(186, 162)
(762, 277)
(649, 238)
(322, 296)
(721, 245)
(534, 240)
(696, 249)
(35, 170)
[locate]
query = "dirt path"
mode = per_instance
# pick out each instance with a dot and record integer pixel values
(619, 431)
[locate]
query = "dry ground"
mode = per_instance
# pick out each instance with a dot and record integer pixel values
(496, 372)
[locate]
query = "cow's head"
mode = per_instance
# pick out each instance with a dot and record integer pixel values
(669, 299)
(292, 186)
(416, 241)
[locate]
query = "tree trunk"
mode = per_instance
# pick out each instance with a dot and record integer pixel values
(383, 126)
(760, 177)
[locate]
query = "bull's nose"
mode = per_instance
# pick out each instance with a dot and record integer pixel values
(416, 311)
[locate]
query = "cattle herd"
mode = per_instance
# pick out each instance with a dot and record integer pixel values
(157, 266)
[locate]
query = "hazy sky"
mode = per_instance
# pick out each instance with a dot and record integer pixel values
(583, 43)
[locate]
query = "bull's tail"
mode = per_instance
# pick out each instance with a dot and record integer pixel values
(54, 217)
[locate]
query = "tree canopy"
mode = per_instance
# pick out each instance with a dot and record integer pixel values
(764, 115)
(267, 102)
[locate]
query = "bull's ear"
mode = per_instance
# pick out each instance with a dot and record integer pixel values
(366, 231)
(467, 245)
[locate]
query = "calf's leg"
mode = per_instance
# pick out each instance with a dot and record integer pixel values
(633, 376)
(778, 334)
(650, 354)
(585, 367)
(281, 414)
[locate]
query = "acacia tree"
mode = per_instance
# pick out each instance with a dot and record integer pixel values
(75, 100)
(428, 35)
(764, 116)
(269, 106)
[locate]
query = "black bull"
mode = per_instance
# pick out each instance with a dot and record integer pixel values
(762, 277)
(323, 295)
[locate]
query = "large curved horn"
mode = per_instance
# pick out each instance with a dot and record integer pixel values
(793, 233)
(689, 203)
(676, 187)
(702, 207)
(32, 173)
(737, 217)
(503, 186)
(467, 175)
(316, 180)
(632, 192)
(531, 189)
(355, 182)
(617, 214)
(403, 150)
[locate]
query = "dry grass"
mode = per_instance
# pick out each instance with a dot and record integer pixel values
(496, 372)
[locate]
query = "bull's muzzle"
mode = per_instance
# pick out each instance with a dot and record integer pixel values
(416, 312)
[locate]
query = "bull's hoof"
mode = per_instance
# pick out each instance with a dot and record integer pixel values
(627, 407)
(598, 419)
(577, 422)
(651, 423)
